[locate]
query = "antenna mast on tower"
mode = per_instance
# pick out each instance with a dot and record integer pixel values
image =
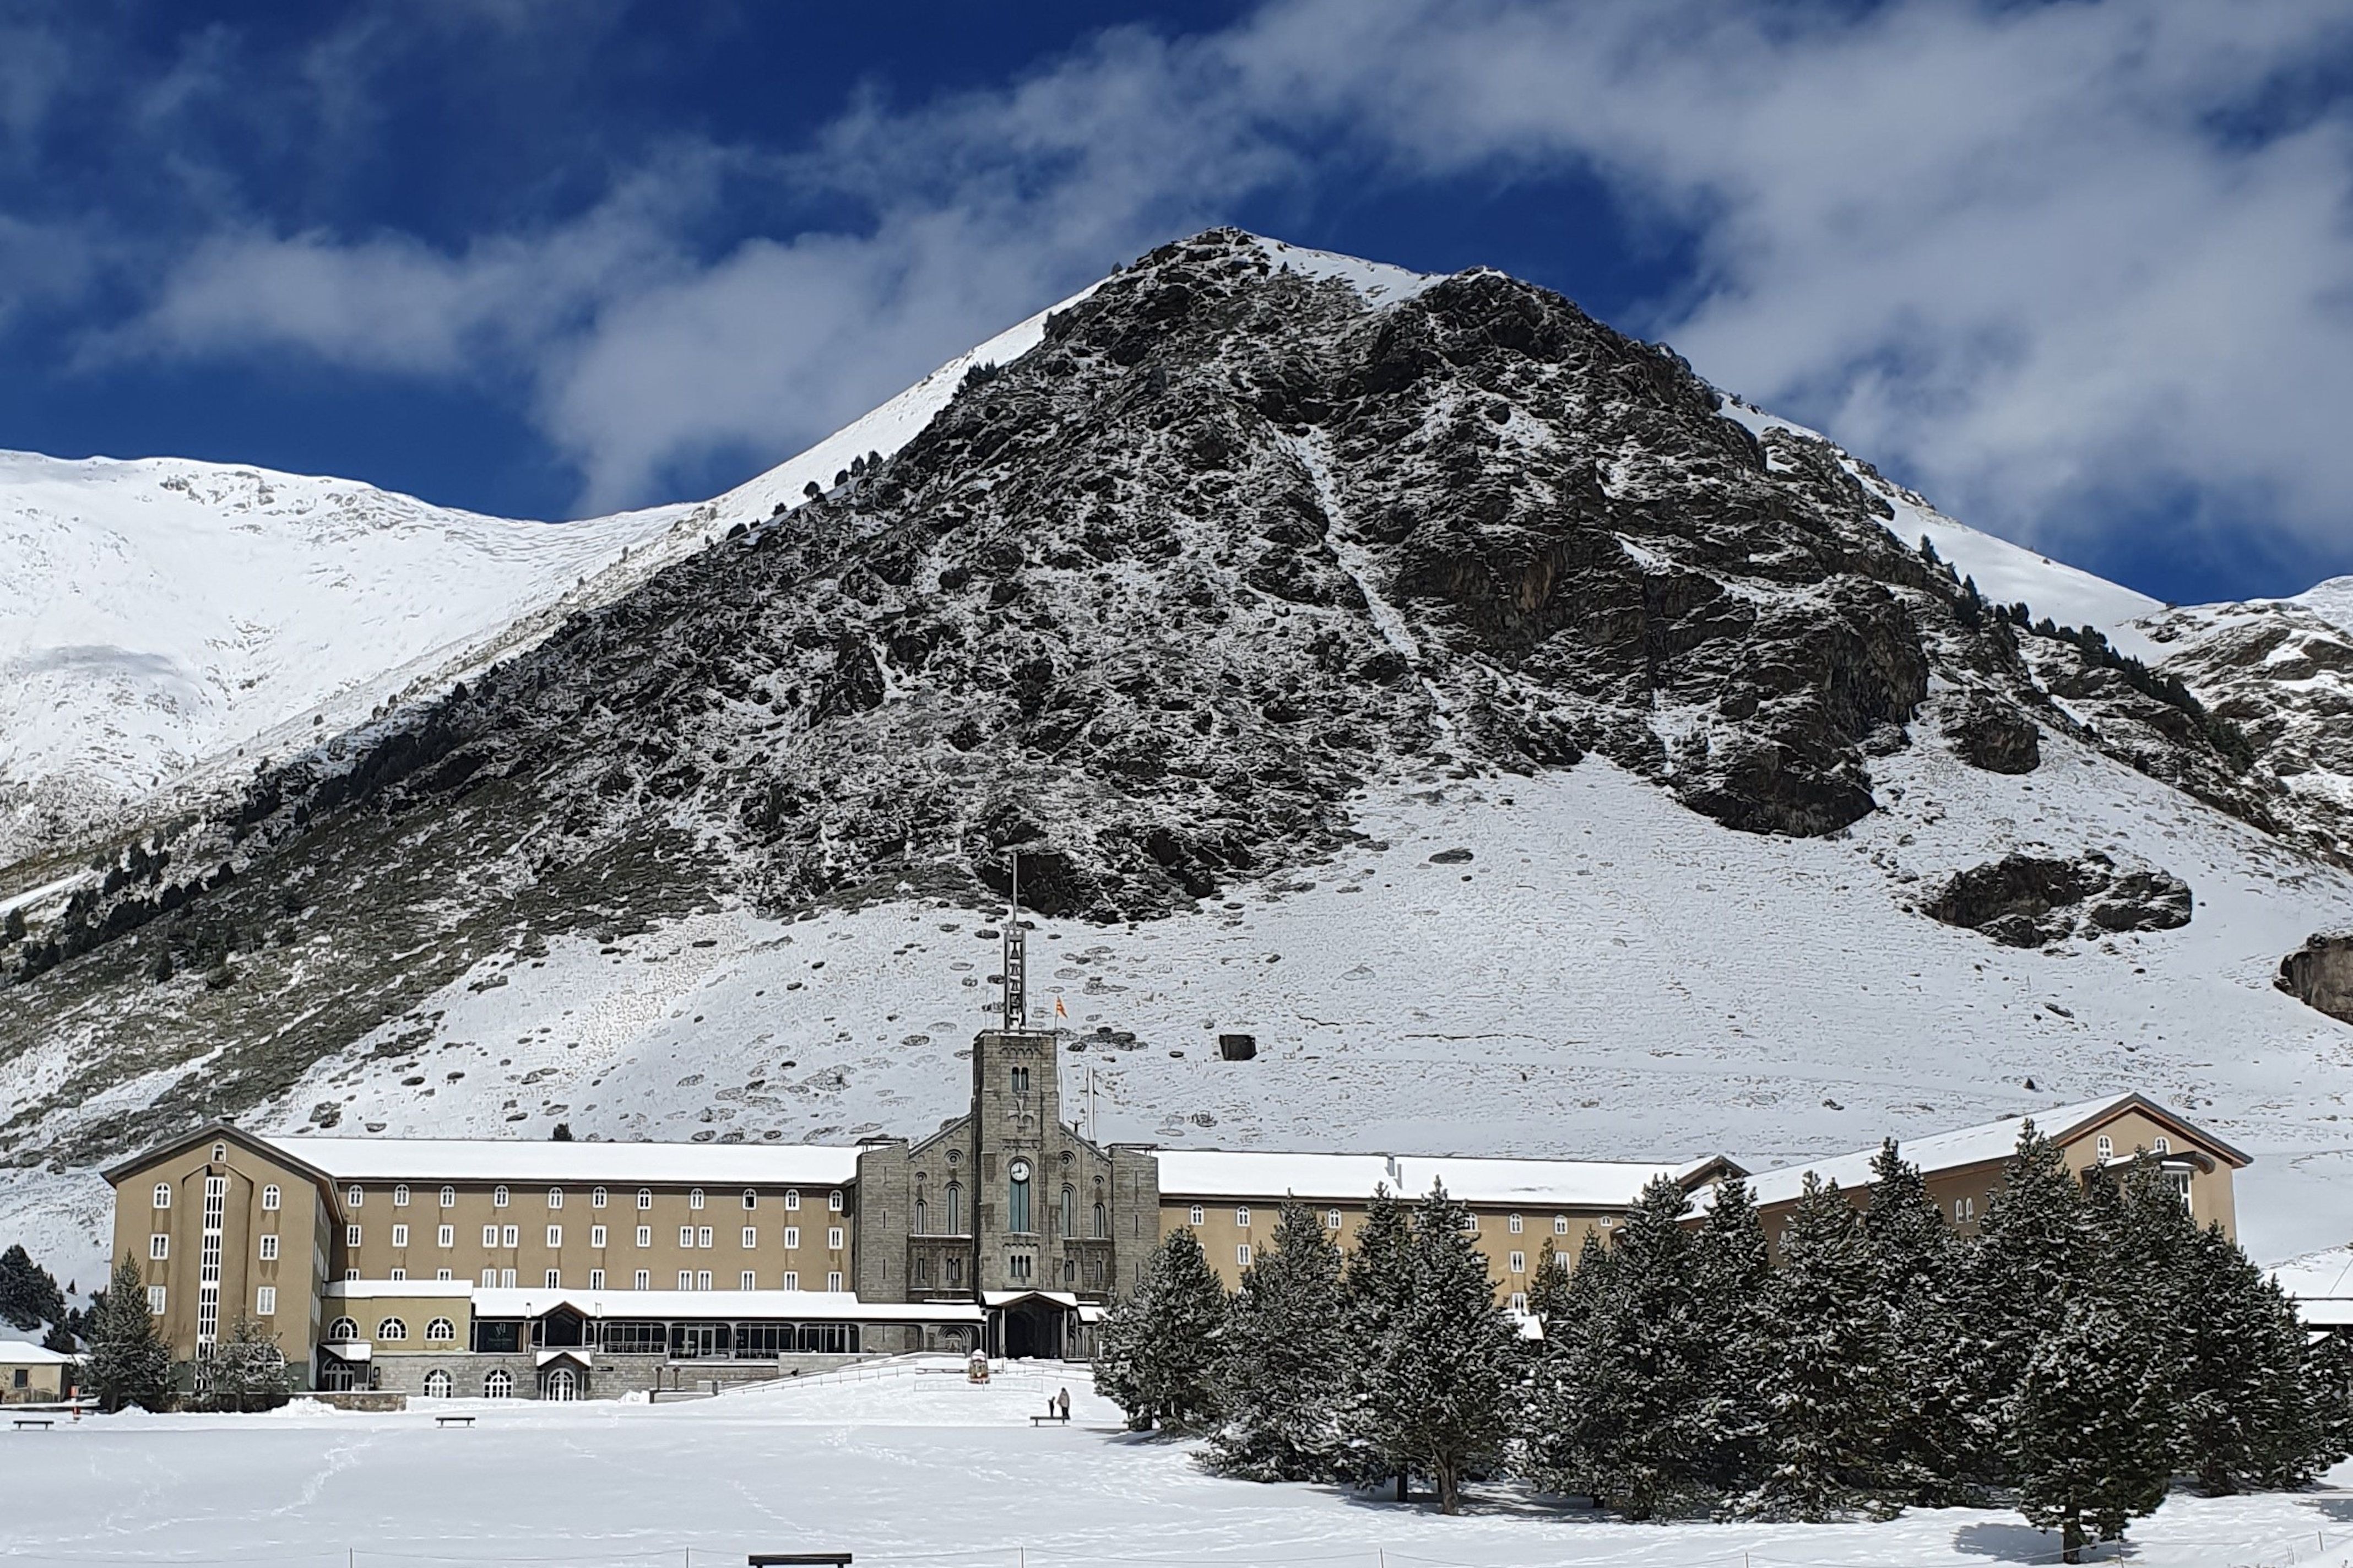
(1016, 1012)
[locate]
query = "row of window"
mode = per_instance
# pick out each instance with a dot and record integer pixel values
(271, 1197)
(354, 1197)
(495, 1236)
(1515, 1223)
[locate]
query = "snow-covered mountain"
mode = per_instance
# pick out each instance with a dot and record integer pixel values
(1539, 752)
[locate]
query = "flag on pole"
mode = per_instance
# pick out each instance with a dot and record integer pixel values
(1059, 1011)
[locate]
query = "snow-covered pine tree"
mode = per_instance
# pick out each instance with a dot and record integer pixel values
(1160, 1345)
(2328, 1384)
(1937, 1436)
(2031, 1255)
(1285, 1347)
(1828, 1357)
(1731, 1263)
(245, 1370)
(29, 1296)
(1443, 1378)
(127, 1364)
(1375, 1287)
(2243, 1417)
(2088, 1431)
(1622, 1422)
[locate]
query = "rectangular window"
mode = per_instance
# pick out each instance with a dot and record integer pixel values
(645, 1235)
(792, 1280)
(395, 1273)
(441, 1274)
(264, 1301)
(1241, 1219)
(351, 1236)
(595, 1280)
(1519, 1300)
(751, 1237)
(1241, 1255)
(490, 1235)
(1519, 1263)
(645, 1280)
(400, 1236)
(511, 1237)
(792, 1237)
(751, 1280)
(703, 1236)
(686, 1279)
(1560, 1224)
(1017, 1266)
(833, 1281)
(350, 1275)
(506, 1279)
(833, 1239)
(703, 1279)
(1515, 1224)
(156, 1298)
(1331, 1219)
(490, 1277)
(447, 1235)
(270, 1249)
(555, 1279)
(555, 1235)
(595, 1235)
(686, 1235)
(159, 1246)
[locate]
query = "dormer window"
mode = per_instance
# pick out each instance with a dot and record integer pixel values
(220, 1153)
(2107, 1147)
(2161, 1144)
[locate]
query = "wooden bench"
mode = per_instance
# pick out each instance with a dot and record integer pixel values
(43, 1421)
(1058, 1418)
(453, 1421)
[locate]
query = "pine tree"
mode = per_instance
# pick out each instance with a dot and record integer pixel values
(2031, 1255)
(1622, 1419)
(1937, 1434)
(245, 1370)
(29, 1296)
(1731, 1263)
(2329, 1384)
(2089, 1437)
(127, 1364)
(1284, 1352)
(1160, 1345)
(1829, 1352)
(1375, 1288)
(1441, 1378)
(2243, 1415)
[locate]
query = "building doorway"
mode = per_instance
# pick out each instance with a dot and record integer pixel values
(559, 1383)
(1033, 1329)
(697, 1340)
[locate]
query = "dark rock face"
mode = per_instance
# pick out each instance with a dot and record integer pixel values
(2320, 975)
(2026, 900)
(1988, 733)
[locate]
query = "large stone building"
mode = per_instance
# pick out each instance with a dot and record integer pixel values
(566, 1269)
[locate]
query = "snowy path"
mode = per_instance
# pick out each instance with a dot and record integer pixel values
(920, 1469)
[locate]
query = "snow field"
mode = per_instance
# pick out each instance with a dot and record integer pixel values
(919, 1468)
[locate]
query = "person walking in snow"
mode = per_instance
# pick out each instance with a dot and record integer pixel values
(1062, 1403)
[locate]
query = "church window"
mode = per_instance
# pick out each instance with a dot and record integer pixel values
(1020, 1080)
(1069, 1217)
(923, 1217)
(922, 1270)
(1017, 1266)
(956, 1272)
(1017, 1206)
(270, 1197)
(1102, 1217)
(955, 1211)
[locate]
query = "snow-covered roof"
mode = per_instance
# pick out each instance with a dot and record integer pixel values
(2319, 1279)
(426, 1159)
(1570, 1184)
(15, 1352)
(1954, 1151)
(415, 1289)
(827, 1306)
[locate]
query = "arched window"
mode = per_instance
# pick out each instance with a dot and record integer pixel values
(2107, 1147)
(596, 1199)
(498, 1197)
(1102, 1222)
(1331, 1219)
(923, 1217)
(162, 1195)
(499, 1384)
(2161, 1144)
(555, 1197)
(956, 1209)
(694, 1198)
(352, 1195)
(751, 1199)
(400, 1196)
(343, 1331)
(1017, 1197)
(833, 1200)
(441, 1331)
(220, 1153)
(392, 1328)
(1069, 1218)
(270, 1197)
(436, 1384)
(449, 1198)
(792, 1198)
(645, 1197)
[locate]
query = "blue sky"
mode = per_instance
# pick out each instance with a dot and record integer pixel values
(2082, 273)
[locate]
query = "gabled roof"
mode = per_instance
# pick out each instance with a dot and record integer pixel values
(1272, 1177)
(1981, 1145)
(576, 1163)
(219, 1132)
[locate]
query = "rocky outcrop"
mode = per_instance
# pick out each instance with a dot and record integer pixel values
(2320, 974)
(1989, 733)
(2026, 900)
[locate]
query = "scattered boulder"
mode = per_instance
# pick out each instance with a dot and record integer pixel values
(1987, 733)
(2320, 974)
(2026, 900)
